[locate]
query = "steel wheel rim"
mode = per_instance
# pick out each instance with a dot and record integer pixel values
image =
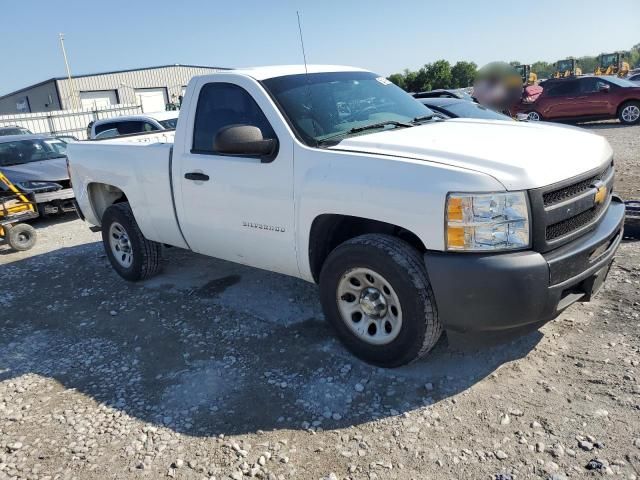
(630, 113)
(120, 245)
(534, 116)
(369, 306)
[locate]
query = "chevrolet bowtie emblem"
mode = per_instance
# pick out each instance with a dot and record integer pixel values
(601, 194)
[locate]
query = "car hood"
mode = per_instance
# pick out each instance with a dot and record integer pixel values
(520, 155)
(54, 170)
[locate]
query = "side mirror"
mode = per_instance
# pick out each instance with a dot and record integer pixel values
(245, 140)
(604, 88)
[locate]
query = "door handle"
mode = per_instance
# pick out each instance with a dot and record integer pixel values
(197, 176)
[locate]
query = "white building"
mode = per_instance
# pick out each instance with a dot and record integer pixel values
(152, 88)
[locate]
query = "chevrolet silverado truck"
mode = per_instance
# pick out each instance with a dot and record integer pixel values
(410, 224)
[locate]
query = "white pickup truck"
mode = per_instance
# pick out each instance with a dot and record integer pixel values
(409, 223)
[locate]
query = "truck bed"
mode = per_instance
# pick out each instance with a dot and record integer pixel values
(139, 165)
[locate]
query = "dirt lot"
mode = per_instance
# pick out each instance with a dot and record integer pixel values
(212, 370)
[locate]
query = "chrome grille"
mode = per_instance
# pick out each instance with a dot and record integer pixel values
(564, 193)
(571, 224)
(566, 210)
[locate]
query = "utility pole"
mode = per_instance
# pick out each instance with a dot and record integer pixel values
(66, 63)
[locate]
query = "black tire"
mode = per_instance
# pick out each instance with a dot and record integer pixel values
(628, 105)
(21, 237)
(402, 267)
(146, 254)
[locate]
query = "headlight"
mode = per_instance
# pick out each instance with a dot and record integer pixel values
(487, 221)
(30, 186)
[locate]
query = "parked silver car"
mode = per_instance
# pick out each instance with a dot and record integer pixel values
(37, 165)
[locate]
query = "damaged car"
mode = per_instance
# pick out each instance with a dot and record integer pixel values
(36, 164)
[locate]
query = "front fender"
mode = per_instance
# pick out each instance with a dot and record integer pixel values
(407, 193)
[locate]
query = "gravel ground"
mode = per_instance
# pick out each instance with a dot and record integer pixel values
(213, 370)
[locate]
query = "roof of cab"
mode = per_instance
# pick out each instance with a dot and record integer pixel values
(263, 73)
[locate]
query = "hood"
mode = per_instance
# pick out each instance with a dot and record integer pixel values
(54, 170)
(520, 155)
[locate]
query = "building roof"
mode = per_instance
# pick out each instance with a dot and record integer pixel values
(53, 79)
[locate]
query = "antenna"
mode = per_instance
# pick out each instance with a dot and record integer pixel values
(306, 73)
(304, 55)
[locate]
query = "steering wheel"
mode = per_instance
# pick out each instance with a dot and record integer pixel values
(362, 114)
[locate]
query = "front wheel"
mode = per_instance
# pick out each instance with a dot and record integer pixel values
(376, 294)
(130, 253)
(629, 113)
(534, 116)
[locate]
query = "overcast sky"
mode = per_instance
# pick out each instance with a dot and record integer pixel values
(383, 36)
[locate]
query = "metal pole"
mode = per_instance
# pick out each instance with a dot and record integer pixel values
(66, 63)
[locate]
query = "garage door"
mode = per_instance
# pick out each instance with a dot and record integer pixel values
(152, 99)
(98, 99)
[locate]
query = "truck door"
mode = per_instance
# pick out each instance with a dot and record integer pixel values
(235, 207)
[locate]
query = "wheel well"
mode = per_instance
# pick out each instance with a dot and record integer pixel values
(329, 230)
(629, 100)
(102, 196)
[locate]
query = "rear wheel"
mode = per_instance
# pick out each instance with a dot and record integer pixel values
(375, 292)
(629, 113)
(534, 116)
(131, 255)
(21, 237)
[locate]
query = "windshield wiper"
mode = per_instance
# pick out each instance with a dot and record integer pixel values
(423, 118)
(379, 125)
(364, 128)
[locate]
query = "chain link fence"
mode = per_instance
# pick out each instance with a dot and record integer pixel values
(67, 122)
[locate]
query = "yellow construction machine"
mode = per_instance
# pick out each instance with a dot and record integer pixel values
(528, 77)
(612, 64)
(567, 68)
(15, 208)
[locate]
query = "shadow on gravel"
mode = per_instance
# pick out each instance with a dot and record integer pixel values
(603, 125)
(208, 347)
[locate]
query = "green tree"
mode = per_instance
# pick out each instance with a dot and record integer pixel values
(587, 64)
(438, 75)
(412, 82)
(634, 56)
(398, 79)
(463, 74)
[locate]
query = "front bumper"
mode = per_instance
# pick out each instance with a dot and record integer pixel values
(503, 291)
(50, 203)
(46, 197)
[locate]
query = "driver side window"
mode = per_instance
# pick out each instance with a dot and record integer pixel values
(221, 105)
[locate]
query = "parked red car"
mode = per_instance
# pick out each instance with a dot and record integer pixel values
(585, 98)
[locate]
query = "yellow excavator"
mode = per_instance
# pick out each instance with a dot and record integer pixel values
(612, 64)
(567, 68)
(15, 208)
(528, 77)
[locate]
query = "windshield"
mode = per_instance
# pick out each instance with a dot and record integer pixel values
(32, 150)
(473, 110)
(323, 105)
(622, 82)
(169, 123)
